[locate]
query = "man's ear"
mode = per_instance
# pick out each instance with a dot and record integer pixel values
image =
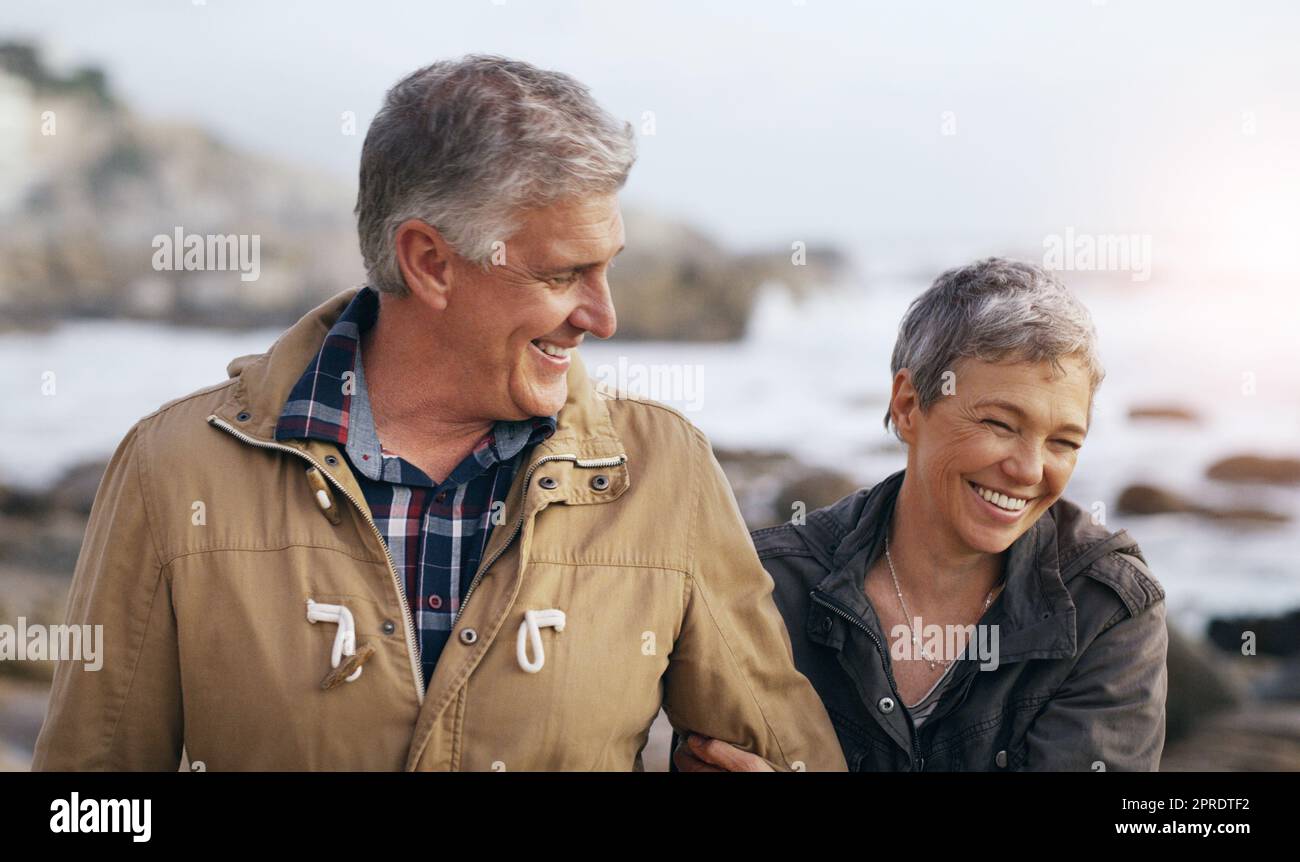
(425, 259)
(904, 402)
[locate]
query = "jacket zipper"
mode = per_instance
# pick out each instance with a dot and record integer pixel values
(412, 646)
(832, 605)
(519, 524)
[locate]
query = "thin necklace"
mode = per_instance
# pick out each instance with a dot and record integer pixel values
(907, 616)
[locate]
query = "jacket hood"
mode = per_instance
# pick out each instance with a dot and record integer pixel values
(263, 382)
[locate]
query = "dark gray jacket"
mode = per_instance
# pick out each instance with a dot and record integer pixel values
(1081, 682)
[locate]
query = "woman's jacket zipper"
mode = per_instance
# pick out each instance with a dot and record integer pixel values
(413, 649)
(839, 610)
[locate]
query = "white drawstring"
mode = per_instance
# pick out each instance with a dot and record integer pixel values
(345, 640)
(528, 632)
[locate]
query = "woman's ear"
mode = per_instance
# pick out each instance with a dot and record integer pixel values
(904, 404)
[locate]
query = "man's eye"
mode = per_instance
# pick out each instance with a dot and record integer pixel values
(563, 278)
(1075, 446)
(997, 423)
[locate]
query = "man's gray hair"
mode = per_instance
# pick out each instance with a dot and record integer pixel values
(992, 310)
(464, 145)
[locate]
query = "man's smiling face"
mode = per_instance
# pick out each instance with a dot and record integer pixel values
(517, 322)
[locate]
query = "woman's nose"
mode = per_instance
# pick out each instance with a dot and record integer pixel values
(1025, 466)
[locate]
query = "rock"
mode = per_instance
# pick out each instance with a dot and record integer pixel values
(1250, 738)
(755, 477)
(814, 489)
(1256, 468)
(1170, 412)
(1276, 636)
(122, 180)
(1198, 685)
(48, 545)
(675, 283)
(75, 489)
(22, 503)
(767, 483)
(23, 705)
(765, 458)
(1284, 683)
(1150, 500)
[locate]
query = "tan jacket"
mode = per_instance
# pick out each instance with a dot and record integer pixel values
(207, 538)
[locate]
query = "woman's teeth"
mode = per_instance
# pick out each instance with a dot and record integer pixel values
(551, 349)
(1002, 501)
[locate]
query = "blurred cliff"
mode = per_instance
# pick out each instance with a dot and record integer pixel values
(86, 185)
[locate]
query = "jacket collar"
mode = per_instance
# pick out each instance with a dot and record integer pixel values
(1035, 613)
(264, 381)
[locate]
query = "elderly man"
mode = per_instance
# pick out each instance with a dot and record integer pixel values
(412, 535)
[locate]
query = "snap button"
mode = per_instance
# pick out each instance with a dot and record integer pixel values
(885, 705)
(825, 625)
(388, 627)
(244, 416)
(548, 482)
(468, 636)
(331, 460)
(435, 602)
(1001, 759)
(600, 483)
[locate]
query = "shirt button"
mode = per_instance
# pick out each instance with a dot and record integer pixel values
(435, 602)
(442, 497)
(548, 482)
(388, 627)
(468, 636)
(885, 705)
(1001, 759)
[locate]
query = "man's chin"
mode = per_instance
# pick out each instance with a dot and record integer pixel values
(543, 403)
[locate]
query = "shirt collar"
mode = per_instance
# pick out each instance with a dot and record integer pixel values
(330, 402)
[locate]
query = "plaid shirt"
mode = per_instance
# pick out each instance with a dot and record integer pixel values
(435, 532)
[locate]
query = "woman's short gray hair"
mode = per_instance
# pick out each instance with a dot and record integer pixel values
(993, 310)
(464, 145)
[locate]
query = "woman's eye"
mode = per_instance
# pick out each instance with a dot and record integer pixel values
(997, 423)
(1075, 446)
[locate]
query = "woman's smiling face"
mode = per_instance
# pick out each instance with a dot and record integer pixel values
(1010, 429)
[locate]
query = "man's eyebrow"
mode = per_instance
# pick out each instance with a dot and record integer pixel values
(1016, 411)
(577, 266)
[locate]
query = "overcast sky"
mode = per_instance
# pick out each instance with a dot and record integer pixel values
(777, 119)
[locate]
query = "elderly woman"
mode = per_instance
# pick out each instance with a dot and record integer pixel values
(961, 615)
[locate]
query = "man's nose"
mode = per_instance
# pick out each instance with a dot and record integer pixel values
(596, 312)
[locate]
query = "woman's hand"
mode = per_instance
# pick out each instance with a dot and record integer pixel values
(702, 754)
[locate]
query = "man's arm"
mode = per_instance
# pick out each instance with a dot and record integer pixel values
(731, 675)
(126, 715)
(1109, 714)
